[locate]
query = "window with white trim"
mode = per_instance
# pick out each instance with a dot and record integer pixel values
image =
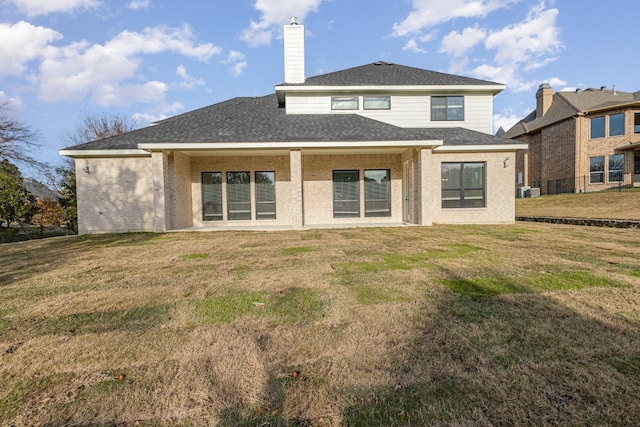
(447, 108)
(344, 102)
(376, 102)
(596, 170)
(616, 167)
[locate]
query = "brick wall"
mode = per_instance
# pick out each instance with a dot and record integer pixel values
(279, 164)
(115, 196)
(317, 172)
(500, 189)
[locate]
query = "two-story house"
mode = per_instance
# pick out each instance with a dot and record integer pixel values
(376, 144)
(579, 141)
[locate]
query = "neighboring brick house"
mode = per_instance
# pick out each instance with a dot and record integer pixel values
(376, 144)
(579, 141)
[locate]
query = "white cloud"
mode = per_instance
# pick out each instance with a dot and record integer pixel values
(44, 7)
(275, 14)
(188, 82)
(457, 44)
(412, 46)
(527, 41)
(20, 43)
(524, 46)
(237, 62)
(14, 104)
(103, 72)
(156, 113)
(139, 4)
(428, 13)
(506, 120)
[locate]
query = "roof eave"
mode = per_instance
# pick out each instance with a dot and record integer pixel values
(492, 88)
(104, 153)
(465, 148)
(150, 147)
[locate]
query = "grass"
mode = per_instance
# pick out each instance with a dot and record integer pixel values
(530, 323)
(602, 204)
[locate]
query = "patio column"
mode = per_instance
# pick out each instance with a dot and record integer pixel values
(159, 164)
(428, 193)
(297, 213)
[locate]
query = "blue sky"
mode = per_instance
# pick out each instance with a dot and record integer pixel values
(151, 59)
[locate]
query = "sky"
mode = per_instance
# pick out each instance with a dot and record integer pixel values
(152, 59)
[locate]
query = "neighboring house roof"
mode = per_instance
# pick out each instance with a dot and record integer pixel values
(39, 190)
(261, 120)
(386, 74)
(569, 104)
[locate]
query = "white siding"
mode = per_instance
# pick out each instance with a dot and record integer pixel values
(294, 54)
(409, 111)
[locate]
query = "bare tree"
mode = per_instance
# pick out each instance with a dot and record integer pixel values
(17, 139)
(93, 127)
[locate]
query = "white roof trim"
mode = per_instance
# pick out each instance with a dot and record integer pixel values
(287, 145)
(471, 148)
(494, 88)
(104, 153)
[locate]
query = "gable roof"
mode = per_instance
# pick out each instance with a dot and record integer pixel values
(387, 74)
(569, 104)
(262, 121)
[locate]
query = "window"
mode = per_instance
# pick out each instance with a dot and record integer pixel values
(597, 127)
(636, 123)
(344, 102)
(346, 194)
(377, 102)
(616, 125)
(463, 185)
(265, 195)
(596, 170)
(447, 108)
(377, 193)
(212, 196)
(238, 195)
(616, 167)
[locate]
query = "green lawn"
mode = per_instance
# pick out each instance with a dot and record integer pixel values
(525, 324)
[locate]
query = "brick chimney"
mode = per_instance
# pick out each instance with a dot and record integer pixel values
(544, 97)
(294, 52)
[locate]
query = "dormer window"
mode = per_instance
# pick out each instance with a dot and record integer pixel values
(377, 102)
(444, 108)
(344, 102)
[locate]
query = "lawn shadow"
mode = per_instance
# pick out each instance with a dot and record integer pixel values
(510, 360)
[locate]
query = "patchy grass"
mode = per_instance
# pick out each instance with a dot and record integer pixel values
(525, 324)
(285, 306)
(500, 285)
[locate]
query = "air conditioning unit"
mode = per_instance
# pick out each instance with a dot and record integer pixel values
(523, 192)
(534, 192)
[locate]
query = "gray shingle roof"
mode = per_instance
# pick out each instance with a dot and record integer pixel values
(262, 120)
(568, 104)
(387, 74)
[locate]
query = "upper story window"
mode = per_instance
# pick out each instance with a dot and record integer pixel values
(344, 102)
(447, 108)
(597, 127)
(636, 123)
(616, 124)
(377, 102)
